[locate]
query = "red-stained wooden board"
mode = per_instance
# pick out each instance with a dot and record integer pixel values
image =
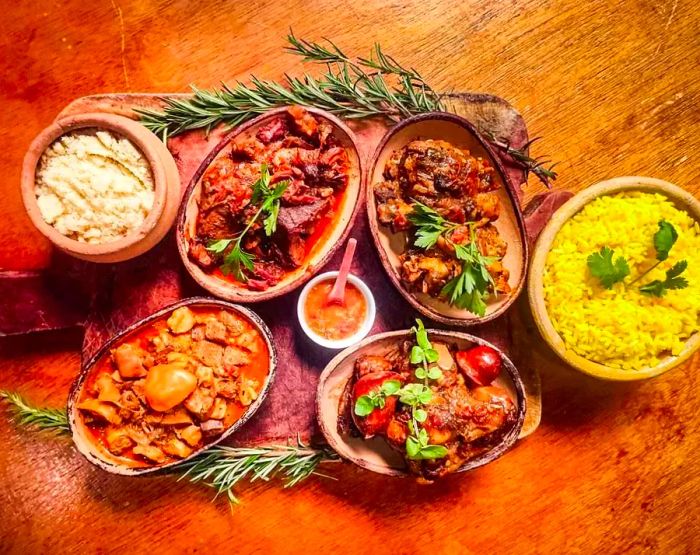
(123, 293)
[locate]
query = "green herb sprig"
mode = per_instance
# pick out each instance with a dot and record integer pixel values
(351, 88)
(542, 167)
(673, 280)
(601, 265)
(238, 260)
(414, 395)
(41, 418)
(469, 289)
(366, 404)
(222, 468)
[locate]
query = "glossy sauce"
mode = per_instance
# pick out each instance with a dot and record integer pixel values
(335, 321)
(257, 369)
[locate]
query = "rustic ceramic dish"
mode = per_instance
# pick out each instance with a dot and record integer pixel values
(681, 198)
(166, 181)
(375, 454)
(320, 253)
(461, 133)
(97, 454)
(337, 344)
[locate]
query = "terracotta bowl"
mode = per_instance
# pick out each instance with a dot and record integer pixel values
(96, 453)
(510, 224)
(322, 251)
(375, 454)
(165, 177)
(682, 199)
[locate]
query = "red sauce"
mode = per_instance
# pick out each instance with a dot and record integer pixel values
(335, 321)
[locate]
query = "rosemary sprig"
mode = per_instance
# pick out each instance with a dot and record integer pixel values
(541, 167)
(220, 467)
(224, 467)
(360, 88)
(40, 418)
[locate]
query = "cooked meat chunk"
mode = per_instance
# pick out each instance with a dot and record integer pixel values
(118, 440)
(177, 448)
(129, 361)
(104, 411)
(297, 148)
(151, 453)
(366, 364)
(215, 331)
(235, 356)
(200, 402)
(209, 353)
(192, 435)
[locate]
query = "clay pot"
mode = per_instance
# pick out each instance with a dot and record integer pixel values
(166, 187)
(96, 453)
(375, 454)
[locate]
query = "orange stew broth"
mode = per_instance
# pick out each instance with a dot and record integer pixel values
(335, 321)
(257, 370)
(322, 231)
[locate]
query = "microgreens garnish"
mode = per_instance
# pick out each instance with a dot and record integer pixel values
(414, 395)
(608, 272)
(365, 404)
(238, 260)
(468, 289)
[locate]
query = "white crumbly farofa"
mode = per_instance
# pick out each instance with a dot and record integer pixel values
(94, 186)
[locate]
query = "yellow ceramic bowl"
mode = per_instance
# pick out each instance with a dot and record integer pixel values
(681, 198)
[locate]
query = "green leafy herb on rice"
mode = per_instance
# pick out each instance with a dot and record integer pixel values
(609, 272)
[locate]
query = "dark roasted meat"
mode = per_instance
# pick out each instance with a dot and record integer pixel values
(297, 147)
(466, 419)
(460, 188)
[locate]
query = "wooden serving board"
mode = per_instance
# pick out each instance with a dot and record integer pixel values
(120, 294)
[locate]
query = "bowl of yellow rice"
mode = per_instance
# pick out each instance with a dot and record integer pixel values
(620, 332)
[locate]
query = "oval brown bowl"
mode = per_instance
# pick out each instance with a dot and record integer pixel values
(321, 252)
(117, 465)
(510, 224)
(375, 454)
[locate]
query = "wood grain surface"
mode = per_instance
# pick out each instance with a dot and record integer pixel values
(613, 89)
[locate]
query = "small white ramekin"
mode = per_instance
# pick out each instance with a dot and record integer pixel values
(337, 343)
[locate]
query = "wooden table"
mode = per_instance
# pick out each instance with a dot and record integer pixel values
(612, 87)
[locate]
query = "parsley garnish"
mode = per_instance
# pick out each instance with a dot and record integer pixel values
(608, 272)
(238, 259)
(673, 281)
(664, 239)
(601, 265)
(469, 289)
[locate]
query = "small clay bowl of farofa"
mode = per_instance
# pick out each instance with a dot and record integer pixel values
(101, 187)
(614, 282)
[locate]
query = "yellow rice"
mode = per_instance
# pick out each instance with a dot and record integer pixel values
(622, 327)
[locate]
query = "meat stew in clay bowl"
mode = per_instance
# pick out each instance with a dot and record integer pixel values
(446, 220)
(171, 385)
(271, 204)
(424, 403)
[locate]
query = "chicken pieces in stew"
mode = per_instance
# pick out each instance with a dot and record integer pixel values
(175, 385)
(462, 419)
